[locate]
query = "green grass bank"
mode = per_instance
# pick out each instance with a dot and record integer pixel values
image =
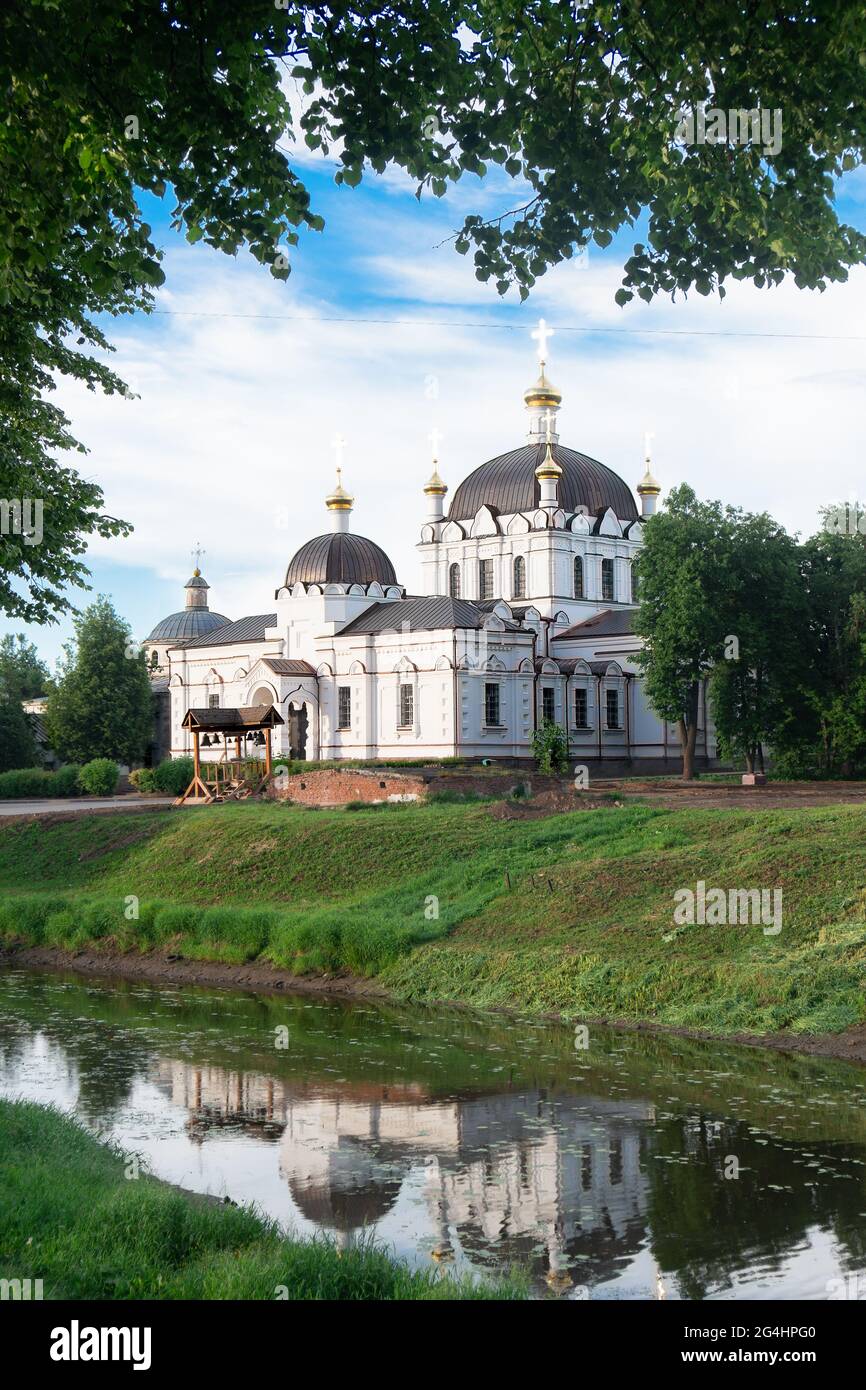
(572, 913)
(71, 1217)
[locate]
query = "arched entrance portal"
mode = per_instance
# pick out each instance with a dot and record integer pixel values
(297, 722)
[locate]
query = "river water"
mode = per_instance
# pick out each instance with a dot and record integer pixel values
(637, 1167)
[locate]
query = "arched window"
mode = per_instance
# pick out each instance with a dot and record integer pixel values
(607, 579)
(519, 577)
(454, 581)
(485, 579)
(578, 577)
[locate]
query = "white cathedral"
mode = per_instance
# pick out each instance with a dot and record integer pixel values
(526, 614)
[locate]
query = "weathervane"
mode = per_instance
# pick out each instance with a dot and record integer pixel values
(541, 335)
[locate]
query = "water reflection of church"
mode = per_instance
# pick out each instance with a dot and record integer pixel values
(550, 1181)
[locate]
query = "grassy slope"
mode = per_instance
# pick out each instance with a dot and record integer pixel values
(335, 889)
(69, 1216)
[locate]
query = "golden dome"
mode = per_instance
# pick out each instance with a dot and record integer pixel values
(339, 500)
(649, 485)
(542, 393)
(435, 487)
(548, 468)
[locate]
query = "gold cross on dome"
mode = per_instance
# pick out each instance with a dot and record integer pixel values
(338, 444)
(541, 334)
(197, 554)
(435, 437)
(648, 438)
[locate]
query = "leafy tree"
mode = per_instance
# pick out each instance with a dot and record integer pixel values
(763, 657)
(684, 570)
(102, 705)
(826, 727)
(578, 104)
(17, 744)
(23, 673)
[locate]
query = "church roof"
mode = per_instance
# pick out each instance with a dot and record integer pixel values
(613, 622)
(244, 630)
(340, 557)
(188, 623)
(509, 484)
(421, 615)
(283, 666)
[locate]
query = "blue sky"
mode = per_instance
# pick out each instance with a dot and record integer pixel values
(244, 381)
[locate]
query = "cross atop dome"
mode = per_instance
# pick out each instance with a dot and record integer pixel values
(542, 399)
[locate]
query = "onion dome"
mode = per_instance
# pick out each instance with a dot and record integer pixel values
(339, 500)
(435, 486)
(648, 485)
(543, 394)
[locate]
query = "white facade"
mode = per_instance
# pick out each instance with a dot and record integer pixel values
(502, 640)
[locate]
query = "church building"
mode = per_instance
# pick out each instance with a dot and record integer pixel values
(525, 613)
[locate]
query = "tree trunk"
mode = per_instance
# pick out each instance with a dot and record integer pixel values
(750, 759)
(688, 731)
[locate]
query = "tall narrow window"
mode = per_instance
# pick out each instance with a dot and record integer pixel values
(633, 582)
(344, 707)
(491, 704)
(612, 707)
(454, 581)
(607, 578)
(548, 704)
(578, 577)
(519, 577)
(407, 706)
(485, 579)
(580, 709)
(213, 701)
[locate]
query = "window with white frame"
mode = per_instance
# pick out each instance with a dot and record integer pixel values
(406, 714)
(454, 580)
(548, 704)
(578, 577)
(485, 579)
(213, 701)
(581, 709)
(492, 713)
(607, 579)
(519, 577)
(611, 702)
(344, 707)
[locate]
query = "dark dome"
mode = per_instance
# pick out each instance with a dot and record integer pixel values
(190, 622)
(340, 558)
(508, 483)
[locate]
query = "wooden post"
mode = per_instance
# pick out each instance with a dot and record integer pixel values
(238, 747)
(197, 774)
(267, 752)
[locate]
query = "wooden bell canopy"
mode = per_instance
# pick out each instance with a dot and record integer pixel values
(211, 780)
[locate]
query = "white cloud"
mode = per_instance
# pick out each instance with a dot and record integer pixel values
(230, 443)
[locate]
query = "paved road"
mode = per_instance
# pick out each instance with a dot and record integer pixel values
(63, 805)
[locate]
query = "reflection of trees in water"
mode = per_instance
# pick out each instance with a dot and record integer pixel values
(708, 1228)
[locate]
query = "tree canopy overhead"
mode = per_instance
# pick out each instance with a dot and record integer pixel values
(577, 103)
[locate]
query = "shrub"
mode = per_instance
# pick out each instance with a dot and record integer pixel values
(65, 780)
(173, 776)
(36, 781)
(143, 779)
(99, 777)
(550, 748)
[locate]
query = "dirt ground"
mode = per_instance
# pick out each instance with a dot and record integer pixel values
(774, 796)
